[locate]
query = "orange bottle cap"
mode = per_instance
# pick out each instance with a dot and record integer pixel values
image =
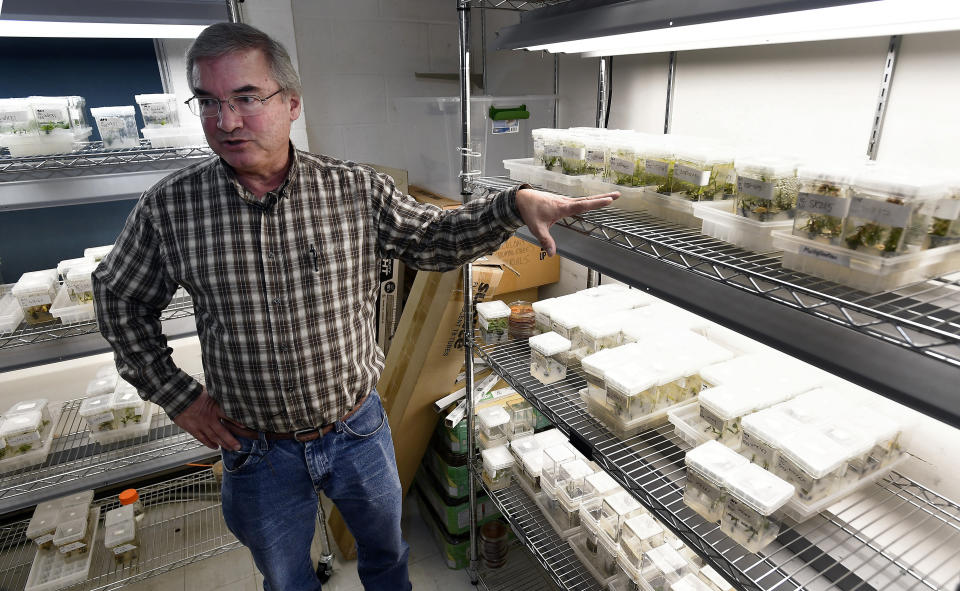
(129, 496)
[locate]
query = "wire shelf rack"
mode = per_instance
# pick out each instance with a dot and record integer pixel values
(522, 572)
(548, 548)
(77, 463)
(92, 158)
(515, 5)
(181, 306)
(895, 534)
(182, 525)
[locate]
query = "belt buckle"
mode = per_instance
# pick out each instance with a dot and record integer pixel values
(296, 434)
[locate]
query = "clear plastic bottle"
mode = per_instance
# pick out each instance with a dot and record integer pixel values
(132, 497)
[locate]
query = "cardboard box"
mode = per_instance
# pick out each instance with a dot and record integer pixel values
(454, 549)
(390, 296)
(454, 513)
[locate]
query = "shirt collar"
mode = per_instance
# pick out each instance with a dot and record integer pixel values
(273, 196)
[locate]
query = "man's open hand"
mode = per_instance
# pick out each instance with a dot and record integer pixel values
(540, 210)
(202, 420)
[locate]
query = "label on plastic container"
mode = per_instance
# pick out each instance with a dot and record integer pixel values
(947, 210)
(43, 539)
(882, 212)
(81, 285)
(23, 439)
(596, 157)
(692, 175)
(825, 255)
(100, 418)
(754, 187)
(35, 299)
(551, 150)
(123, 548)
(51, 115)
(657, 167)
(111, 123)
(506, 126)
(14, 117)
(154, 109)
(572, 153)
(823, 204)
(622, 165)
(71, 547)
(791, 472)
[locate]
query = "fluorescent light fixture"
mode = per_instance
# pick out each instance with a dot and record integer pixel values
(870, 19)
(22, 28)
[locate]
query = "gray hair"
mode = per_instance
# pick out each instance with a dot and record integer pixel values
(222, 38)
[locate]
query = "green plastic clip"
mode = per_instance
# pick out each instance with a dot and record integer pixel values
(507, 113)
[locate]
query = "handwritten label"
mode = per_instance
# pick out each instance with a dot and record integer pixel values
(825, 255)
(823, 204)
(155, 110)
(881, 212)
(123, 548)
(71, 547)
(37, 299)
(754, 187)
(596, 157)
(51, 115)
(692, 175)
(14, 117)
(622, 165)
(947, 210)
(658, 167)
(100, 418)
(551, 150)
(573, 153)
(43, 539)
(111, 123)
(23, 439)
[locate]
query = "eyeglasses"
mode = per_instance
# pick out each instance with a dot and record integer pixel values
(244, 105)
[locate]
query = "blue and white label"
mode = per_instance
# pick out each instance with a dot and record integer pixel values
(508, 126)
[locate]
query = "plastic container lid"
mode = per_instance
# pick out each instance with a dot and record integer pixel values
(64, 266)
(532, 462)
(34, 281)
(83, 498)
(98, 252)
(574, 469)
(874, 424)
(770, 424)
(557, 455)
(599, 483)
(128, 399)
(760, 490)
(129, 496)
(621, 503)
(545, 306)
(70, 531)
(22, 423)
(710, 574)
(119, 111)
(667, 559)
(765, 370)
(643, 526)
(897, 183)
(122, 532)
(714, 460)
(836, 174)
(119, 514)
(96, 405)
(604, 326)
(497, 458)
(494, 309)
(769, 166)
(568, 317)
(809, 410)
(44, 521)
(690, 582)
(493, 416)
(550, 438)
(597, 364)
(525, 445)
(630, 380)
(852, 440)
(27, 406)
(549, 343)
(154, 98)
(104, 385)
(72, 512)
(812, 451)
(730, 402)
(82, 270)
(706, 154)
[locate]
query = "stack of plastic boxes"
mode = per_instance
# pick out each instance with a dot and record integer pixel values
(549, 355)
(548, 499)
(569, 489)
(754, 494)
(497, 462)
(615, 511)
(41, 125)
(63, 531)
(26, 432)
(706, 467)
(492, 422)
(492, 318)
(528, 458)
(121, 537)
(114, 415)
(36, 292)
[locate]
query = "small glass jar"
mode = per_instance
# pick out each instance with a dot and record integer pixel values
(707, 465)
(522, 320)
(132, 497)
(494, 543)
(822, 203)
(493, 319)
(640, 535)
(766, 188)
(748, 512)
(548, 356)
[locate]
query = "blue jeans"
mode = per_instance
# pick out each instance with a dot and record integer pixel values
(270, 498)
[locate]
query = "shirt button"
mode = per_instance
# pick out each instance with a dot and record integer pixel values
(276, 301)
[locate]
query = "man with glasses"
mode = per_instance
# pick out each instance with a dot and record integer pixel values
(279, 250)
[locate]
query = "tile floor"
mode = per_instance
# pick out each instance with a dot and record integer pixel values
(234, 570)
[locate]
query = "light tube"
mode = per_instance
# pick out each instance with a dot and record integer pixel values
(11, 28)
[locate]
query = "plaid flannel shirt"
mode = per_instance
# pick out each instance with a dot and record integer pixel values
(284, 288)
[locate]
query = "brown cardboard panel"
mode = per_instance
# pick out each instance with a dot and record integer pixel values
(425, 196)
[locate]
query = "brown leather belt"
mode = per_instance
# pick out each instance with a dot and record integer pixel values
(303, 435)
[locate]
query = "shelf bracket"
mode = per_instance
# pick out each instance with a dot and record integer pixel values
(880, 113)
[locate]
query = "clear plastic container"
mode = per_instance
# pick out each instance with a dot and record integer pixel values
(542, 311)
(520, 446)
(631, 391)
(855, 443)
(766, 188)
(822, 203)
(565, 320)
(492, 422)
(104, 385)
(626, 162)
(606, 562)
(707, 466)
(548, 357)
(598, 485)
(72, 537)
(614, 511)
(689, 426)
(77, 105)
(43, 525)
(597, 154)
(118, 515)
(97, 412)
(497, 462)
(128, 408)
(530, 465)
(761, 432)
(78, 499)
(663, 566)
(723, 407)
(53, 570)
(547, 147)
(640, 535)
(944, 226)
(79, 282)
(38, 404)
(526, 170)
(70, 312)
(36, 291)
(586, 549)
(754, 495)
(64, 266)
(598, 334)
(131, 498)
(658, 164)
(11, 314)
(174, 137)
(573, 153)
(493, 319)
(522, 419)
(17, 120)
(714, 580)
(117, 126)
(571, 482)
(590, 519)
(705, 174)
(52, 113)
(122, 540)
(764, 371)
(690, 582)
(811, 462)
(22, 433)
(553, 458)
(158, 110)
(885, 432)
(550, 438)
(595, 369)
(735, 229)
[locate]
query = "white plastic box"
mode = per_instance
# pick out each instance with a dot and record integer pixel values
(570, 484)
(97, 252)
(70, 312)
(679, 210)
(616, 509)
(158, 110)
(761, 432)
(104, 385)
(36, 291)
(117, 127)
(11, 314)
(767, 188)
(707, 467)
(496, 467)
(97, 412)
(640, 535)
(174, 137)
(741, 231)
(755, 495)
(522, 419)
(51, 570)
(431, 134)
(492, 422)
(547, 357)
(122, 540)
(528, 470)
(663, 566)
(822, 203)
(524, 169)
(492, 319)
(43, 525)
(863, 271)
(812, 462)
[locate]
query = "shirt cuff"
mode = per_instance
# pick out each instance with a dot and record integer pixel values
(505, 208)
(177, 394)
